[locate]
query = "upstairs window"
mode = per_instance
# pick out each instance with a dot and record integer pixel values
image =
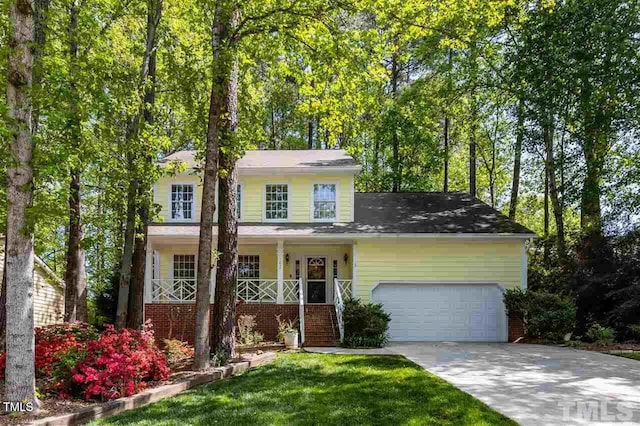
(276, 202)
(182, 202)
(324, 201)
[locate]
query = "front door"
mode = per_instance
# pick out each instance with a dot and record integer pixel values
(316, 280)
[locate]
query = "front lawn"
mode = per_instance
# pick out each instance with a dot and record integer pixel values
(321, 389)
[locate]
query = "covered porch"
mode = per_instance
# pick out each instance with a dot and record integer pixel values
(269, 271)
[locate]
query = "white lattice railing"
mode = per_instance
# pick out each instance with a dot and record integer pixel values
(173, 290)
(257, 290)
(249, 290)
(345, 288)
(339, 303)
(290, 291)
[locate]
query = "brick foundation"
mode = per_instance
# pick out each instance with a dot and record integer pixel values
(177, 320)
(516, 328)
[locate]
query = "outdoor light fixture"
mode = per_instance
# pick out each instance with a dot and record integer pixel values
(346, 258)
(286, 257)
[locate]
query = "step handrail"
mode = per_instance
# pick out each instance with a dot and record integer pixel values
(301, 311)
(339, 303)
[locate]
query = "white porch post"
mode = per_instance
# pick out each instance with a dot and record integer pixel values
(148, 273)
(280, 257)
(354, 268)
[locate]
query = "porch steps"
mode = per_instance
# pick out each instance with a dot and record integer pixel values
(320, 325)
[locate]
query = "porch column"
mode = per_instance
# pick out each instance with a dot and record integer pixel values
(354, 268)
(148, 273)
(280, 261)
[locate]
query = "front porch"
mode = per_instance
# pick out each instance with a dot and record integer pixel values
(301, 280)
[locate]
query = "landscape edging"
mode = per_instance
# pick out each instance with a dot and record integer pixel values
(148, 396)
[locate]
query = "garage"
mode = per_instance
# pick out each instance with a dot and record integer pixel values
(471, 312)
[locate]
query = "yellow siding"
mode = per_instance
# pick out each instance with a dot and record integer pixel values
(300, 192)
(436, 260)
(48, 300)
(48, 297)
(268, 259)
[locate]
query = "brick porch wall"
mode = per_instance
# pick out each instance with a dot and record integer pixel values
(177, 320)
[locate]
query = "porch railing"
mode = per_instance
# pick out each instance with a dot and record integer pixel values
(173, 290)
(339, 303)
(257, 290)
(345, 288)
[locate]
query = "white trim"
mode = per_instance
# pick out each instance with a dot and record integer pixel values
(352, 188)
(195, 257)
(354, 268)
(264, 202)
(435, 282)
(194, 204)
(148, 274)
(523, 266)
(279, 171)
(312, 202)
(193, 231)
(280, 271)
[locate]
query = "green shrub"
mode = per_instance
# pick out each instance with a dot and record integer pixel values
(634, 331)
(546, 316)
(600, 335)
(365, 325)
(246, 333)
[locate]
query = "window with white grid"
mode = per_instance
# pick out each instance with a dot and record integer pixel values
(324, 201)
(248, 266)
(276, 202)
(184, 266)
(182, 202)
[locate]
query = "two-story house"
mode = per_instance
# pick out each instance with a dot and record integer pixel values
(438, 262)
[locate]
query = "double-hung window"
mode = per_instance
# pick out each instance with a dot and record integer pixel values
(248, 266)
(276, 202)
(324, 201)
(184, 276)
(182, 201)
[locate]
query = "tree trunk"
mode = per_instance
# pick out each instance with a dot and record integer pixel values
(310, 134)
(3, 298)
(127, 254)
(75, 304)
(548, 132)
(395, 141)
(515, 185)
(472, 160)
(221, 116)
(474, 122)
(136, 184)
(224, 315)
(135, 316)
(40, 14)
(75, 298)
(445, 186)
(20, 371)
(545, 231)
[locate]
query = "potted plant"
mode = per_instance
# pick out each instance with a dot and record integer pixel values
(288, 332)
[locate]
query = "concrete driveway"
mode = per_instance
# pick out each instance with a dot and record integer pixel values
(536, 384)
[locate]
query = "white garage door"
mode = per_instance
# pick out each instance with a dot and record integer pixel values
(454, 312)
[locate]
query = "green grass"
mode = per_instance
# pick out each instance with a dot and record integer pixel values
(631, 355)
(311, 389)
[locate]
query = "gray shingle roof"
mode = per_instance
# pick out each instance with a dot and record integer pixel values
(256, 159)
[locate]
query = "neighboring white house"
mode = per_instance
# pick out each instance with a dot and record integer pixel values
(48, 298)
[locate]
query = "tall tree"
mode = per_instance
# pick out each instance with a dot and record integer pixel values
(20, 363)
(75, 301)
(517, 157)
(135, 316)
(136, 185)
